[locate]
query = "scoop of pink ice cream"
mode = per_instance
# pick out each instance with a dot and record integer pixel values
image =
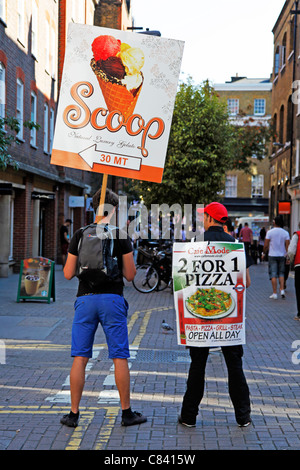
(105, 46)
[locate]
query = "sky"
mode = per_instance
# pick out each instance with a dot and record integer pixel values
(222, 37)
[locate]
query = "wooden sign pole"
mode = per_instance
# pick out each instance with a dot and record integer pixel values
(99, 215)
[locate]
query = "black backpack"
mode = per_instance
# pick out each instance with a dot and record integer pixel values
(96, 264)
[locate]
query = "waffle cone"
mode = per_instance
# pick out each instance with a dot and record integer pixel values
(117, 97)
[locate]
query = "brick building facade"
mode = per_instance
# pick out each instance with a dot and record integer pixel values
(283, 151)
(285, 161)
(34, 201)
(247, 194)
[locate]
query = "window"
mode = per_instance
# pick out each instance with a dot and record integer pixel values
(2, 10)
(47, 46)
(276, 61)
(81, 12)
(257, 186)
(2, 90)
(51, 128)
(283, 51)
(21, 19)
(233, 106)
(34, 29)
(33, 102)
(281, 124)
(231, 186)
(259, 107)
(292, 29)
(20, 107)
(46, 124)
(53, 63)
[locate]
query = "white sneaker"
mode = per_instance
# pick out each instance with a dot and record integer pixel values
(282, 292)
(273, 296)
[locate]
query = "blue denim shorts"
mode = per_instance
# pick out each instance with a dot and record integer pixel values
(276, 266)
(110, 310)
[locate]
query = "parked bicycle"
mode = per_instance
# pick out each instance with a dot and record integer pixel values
(154, 270)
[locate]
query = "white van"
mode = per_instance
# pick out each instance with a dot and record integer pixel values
(255, 223)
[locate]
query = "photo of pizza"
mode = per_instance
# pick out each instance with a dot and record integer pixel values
(210, 304)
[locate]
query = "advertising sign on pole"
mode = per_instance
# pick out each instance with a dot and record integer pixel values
(209, 293)
(116, 102)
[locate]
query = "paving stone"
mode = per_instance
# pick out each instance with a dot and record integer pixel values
(37, 365)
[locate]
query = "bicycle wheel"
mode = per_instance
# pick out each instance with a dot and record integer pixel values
(146, 278)
(162, 284)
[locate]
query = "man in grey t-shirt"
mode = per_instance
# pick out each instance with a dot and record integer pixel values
(276, 242)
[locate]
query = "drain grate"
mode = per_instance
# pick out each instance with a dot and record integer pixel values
(148, 355)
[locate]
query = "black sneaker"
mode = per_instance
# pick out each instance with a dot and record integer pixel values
(133, 418)
(244, 424)
(187, 424)
(71, 419)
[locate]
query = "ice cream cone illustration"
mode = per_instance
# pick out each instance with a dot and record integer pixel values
(118, 70)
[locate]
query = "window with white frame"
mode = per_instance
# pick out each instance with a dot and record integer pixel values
(259, 107)
(2, 90)
(46, 125)
(47, 46)
(21, 21)
(81, 12)
(3, 10)
(283, 51)
(276, 60)
(20, 107)
(34, 29)
(51, 128)
(257, 186)
(231, 186)
(52, 52)
(233, 106)
(73, 11)
(33, 117)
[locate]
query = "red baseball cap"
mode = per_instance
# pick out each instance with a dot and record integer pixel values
(216, 210)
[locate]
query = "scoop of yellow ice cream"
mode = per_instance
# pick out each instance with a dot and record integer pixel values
(133, 59)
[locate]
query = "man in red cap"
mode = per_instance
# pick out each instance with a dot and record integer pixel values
(215, 216)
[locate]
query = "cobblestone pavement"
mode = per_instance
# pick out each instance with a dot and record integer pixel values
(35, 363)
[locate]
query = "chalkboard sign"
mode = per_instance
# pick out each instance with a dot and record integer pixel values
(36, 280)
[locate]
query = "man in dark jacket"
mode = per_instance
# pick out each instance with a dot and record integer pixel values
(215, 216)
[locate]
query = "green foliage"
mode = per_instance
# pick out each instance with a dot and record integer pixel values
(9, 128)
(252, 140)
(203, 146)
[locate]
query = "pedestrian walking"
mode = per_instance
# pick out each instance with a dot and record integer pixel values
(246, 236)
(228, 227)
(261, 242)
(215, 216)
(294, 256)
(276, 244)
(65, 239)
(100, 300)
